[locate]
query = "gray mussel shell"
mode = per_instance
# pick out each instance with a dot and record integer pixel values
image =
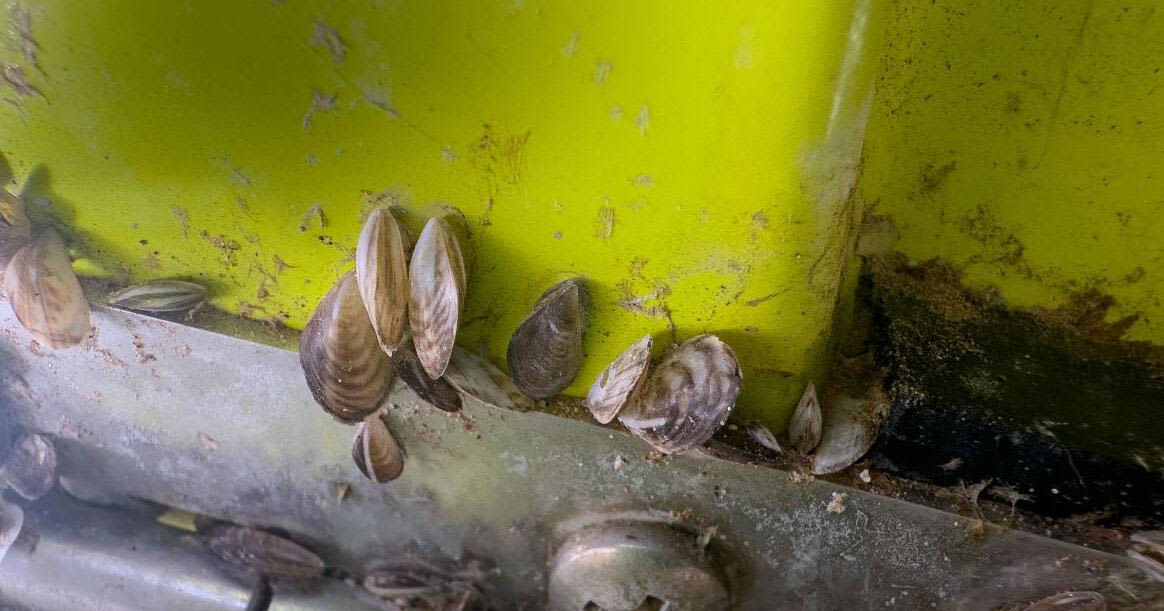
(850, 427)
(687, 397)
(11, 521)
(31, 466)
(160, 296)
(382, 275)
(1070, 601)
(436, 295)
(545, 351)
(45, 294)
(263, 552)
(347, 372)
(375, 450)
(804, 429)
(1147, 551)
(613, 388)
(439, 392)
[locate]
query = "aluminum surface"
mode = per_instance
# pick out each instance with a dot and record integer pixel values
(227, 428)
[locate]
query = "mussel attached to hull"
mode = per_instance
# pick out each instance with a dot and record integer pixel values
(545, 351)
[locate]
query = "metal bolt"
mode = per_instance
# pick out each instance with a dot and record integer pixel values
(635, 566)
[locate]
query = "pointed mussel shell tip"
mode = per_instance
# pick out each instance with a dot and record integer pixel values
(436, 295)
(347, 372)
(382, 275)
(688, 397)
(160, 296)
(375, 450)
(804, 429)
(545, 351)
(614, 387)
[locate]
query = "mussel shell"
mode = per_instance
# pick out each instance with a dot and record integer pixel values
(15, 228)
(849, 429)
(804, 429)
(375, 450)
(613, 388)
(1147, 551)
(347, 372)
(45, 293)
(545, 351)
(382, 274)
(11, 521)
(688, 397)
(160, 296)
(436, 295)
(263, 552)
(1070, 601)
(439, 392)
(474, 376)
(31, 466)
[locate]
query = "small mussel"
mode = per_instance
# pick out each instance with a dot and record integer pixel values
(614, 387)
(439, 392)
(416, 585)
(264, 553)
(375, 450)
(31, 466)
(11, 521)
(160, 296)
(45, 293)
(1147, 551)
(688, 397)
(382, 275)
(805, 426)
(849, 429)
(545, 351)
(347, 372)
(1070, 601)
(436, 295)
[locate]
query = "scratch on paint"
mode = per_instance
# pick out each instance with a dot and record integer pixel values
(605, 223)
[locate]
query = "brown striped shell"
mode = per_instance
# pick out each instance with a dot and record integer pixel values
(438, 393)
(688, 397)
(545, 351)
(45, 293)
(160, 296)
(1147, 551)
(613, 388)
(263, 552)
(11, 521)
(31, 466)
(382, 275)
(15, 228)
(436, 295)
(804, 427)
(347, 372)
(375, 450)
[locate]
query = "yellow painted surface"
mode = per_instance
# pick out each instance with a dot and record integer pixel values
(690, 159)
(1024, 142)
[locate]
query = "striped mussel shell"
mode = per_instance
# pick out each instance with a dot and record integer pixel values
(375, 450)
(11, 521)
(160, 296)
(30, 468)
(1147, 551)
(436, 295)
(687, 397)
(438, 393)
(545, 351)
(615, 386)
(382, 275)
(263, 552)
(45, 294)
(804, 429)
(347, 372)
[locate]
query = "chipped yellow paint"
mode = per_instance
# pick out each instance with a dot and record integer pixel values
(1022, 142)
(692, 160)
